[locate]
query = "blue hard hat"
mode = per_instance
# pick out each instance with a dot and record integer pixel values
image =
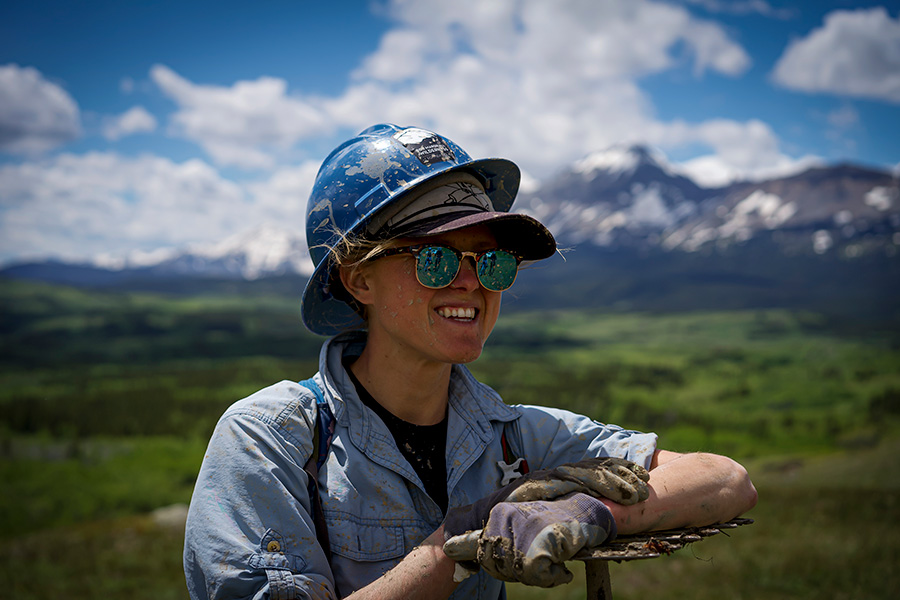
(371, 175)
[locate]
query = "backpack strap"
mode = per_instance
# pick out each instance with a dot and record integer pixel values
(513, 464)
(323, 433)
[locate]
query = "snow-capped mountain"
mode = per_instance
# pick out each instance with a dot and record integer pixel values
(259, 252)
(845, 208)
(622, 198)
(632, 198)
(614, 196)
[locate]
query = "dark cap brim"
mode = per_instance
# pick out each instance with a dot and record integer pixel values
(522, 234)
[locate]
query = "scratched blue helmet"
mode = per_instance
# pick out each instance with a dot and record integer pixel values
(374, 174)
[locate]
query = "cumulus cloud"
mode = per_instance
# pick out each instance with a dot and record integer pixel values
(36, 115)
(854, 53)
(742, 151)
(401, 56)
(80, 206)
(134, 120)
(244, 125)
(549, 81)
(578, 40)
(543, 83)
(553, 81)
(281, 198)
(715, 170)
(76, 206)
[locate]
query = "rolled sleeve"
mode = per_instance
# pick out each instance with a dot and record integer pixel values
(249, 532)
(554, 436)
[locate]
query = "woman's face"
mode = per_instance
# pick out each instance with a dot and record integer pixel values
(411, 322)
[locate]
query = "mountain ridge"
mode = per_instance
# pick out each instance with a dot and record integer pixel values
(620, 199)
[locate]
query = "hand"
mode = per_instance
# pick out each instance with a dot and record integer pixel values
(529, 542)
(617, 479)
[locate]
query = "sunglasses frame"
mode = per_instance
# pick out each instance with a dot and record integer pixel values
(460, 256)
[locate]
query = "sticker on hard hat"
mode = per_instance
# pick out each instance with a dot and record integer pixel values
(427, 146)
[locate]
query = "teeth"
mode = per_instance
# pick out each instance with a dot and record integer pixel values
(457, 313)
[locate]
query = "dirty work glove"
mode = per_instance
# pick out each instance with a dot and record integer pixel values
(617, 479)
(529, 542)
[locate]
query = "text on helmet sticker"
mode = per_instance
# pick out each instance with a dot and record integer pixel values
(427, 146)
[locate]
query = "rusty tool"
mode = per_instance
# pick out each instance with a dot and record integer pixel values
(640, 547)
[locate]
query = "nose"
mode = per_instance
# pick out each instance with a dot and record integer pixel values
(467, 278)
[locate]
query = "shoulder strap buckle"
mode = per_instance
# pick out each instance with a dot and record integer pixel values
(512, 466)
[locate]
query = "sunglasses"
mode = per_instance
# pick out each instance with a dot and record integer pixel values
(437, 266)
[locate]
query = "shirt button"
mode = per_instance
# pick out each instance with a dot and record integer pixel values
(273, 546)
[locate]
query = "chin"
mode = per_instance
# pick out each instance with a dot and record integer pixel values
(468, 356)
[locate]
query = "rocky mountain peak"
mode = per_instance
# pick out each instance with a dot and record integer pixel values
(621, 160)
(625, 197)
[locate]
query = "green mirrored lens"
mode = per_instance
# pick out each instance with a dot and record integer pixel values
(497, 270)
(436, 266)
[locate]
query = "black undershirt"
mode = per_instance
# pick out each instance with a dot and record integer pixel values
(424, 446)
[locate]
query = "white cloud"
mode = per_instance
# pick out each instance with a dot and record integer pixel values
(80, 206)
(244, 125)
(36, 115)
(742, 151)
(134, 120)
(714, 50)
(282, 197)
(855, 53)
(401, 56)
(552, 81)
(542, 83)
(581, 40)
(546, 82)
(715, 171)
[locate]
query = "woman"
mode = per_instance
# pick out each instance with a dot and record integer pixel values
(414, 244)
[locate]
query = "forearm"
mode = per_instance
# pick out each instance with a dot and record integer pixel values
(426, 573)
(688, 490)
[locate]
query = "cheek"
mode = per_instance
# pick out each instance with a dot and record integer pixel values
(492, 310)
(395, 284)
(405, 301)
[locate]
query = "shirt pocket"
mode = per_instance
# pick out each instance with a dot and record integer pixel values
(361, 539)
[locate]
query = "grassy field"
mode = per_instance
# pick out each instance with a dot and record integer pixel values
(825, 528)
(93, 442)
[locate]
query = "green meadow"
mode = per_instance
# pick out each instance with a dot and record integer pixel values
(107, 401)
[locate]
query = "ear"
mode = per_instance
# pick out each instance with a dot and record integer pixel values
(356, 282)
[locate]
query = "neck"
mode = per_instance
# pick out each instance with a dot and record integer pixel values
(416, 393)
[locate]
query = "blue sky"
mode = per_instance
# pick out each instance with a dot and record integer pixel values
(131, 126)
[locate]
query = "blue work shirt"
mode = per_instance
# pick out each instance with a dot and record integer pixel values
(250, 533)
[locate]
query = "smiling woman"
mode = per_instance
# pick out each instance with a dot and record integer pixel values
(393, 465)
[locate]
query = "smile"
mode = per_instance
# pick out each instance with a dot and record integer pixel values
(456, 313)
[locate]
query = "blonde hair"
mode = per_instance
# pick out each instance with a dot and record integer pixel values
(352, 252)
